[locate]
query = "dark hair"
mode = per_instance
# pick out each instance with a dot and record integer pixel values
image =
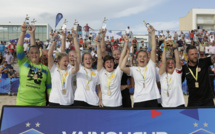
(106, 58)
(140, 52)
(85, 54)
(190, 47)
(33, 46)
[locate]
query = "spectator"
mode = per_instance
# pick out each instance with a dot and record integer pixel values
(2, 48)
(44, 57)
(46, 44)
(11, 48)
(112, 39)
(68, 44)
(4, 70)
(79, 28)
(128, 32)
(87, 29)
(26, 45)
(115, 46)
(1, 59)
(108, 48)
(134, 43)
(9, 58)
(12, 73)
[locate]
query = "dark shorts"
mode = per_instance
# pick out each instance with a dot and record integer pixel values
(82, 103)
(208, 102)
(150, 103)
(56, 104)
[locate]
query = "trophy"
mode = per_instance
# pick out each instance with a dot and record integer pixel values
(33, 21)
(27, 21)
(104, 24)
(64, 25)
(75, 25)
(146, 24)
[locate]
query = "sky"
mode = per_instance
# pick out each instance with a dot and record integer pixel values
(162, 14)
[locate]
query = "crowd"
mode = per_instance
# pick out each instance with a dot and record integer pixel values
(69, 70)
(7, 57)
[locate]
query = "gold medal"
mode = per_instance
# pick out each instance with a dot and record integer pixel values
(87, 87)
(109, 92)
(167, 93)
(64, 91)
(35, 76)
(196, 84)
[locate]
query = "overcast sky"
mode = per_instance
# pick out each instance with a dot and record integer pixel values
(163, 14)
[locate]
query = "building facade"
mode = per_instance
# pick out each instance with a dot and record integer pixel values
(11, 31)
(198, 19)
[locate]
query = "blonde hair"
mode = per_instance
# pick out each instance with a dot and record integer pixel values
(60, 55)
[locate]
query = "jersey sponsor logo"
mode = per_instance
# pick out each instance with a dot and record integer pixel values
(31, 76)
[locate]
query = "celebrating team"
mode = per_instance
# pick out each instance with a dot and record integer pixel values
(70, 80)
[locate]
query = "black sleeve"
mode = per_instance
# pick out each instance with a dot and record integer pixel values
(183, 73)
(207, 61)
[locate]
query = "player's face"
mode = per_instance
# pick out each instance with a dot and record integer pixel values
(63, 63)
(34, 55)
(88, 62)
(72, 54)
(116, 56)
(109, 65)
(192, 55)
(142, 59)
(170, 66)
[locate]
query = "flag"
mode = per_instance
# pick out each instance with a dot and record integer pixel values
(58, 18)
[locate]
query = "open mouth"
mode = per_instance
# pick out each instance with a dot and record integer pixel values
(142, 61)
(170, 67)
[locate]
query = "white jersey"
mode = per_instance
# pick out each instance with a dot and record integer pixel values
(114, 99)
(57, 94)
(175, 93)
(83, 93)
(150, 91)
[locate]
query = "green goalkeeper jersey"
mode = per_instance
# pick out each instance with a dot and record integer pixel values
(32, 91)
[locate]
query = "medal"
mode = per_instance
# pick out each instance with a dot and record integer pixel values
(87, 87)
(167, 93)
(35, 76)
(88, 81)
(143, 75)
(109, 92)
(195, 77)
(197, 84)
(64, 91)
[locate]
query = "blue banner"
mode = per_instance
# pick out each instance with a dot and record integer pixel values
(4, 85)
(45, 120)
(59, 16)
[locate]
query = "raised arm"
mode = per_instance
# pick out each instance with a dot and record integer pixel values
(103, 49)
(77, 48)
(31, 30)
(63, 41)
(22, 35)
(163, 65)
(151, 31)
(99, 55)
(177, 58)
(123, 64)
(76, 67)
(126, 39)
(50, 52)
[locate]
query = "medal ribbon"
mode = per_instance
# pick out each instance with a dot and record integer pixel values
(168, 81)
(88, 81)
(195, 77)
(63, 78)
(35, 69)
(109, 79)
(144, 76)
